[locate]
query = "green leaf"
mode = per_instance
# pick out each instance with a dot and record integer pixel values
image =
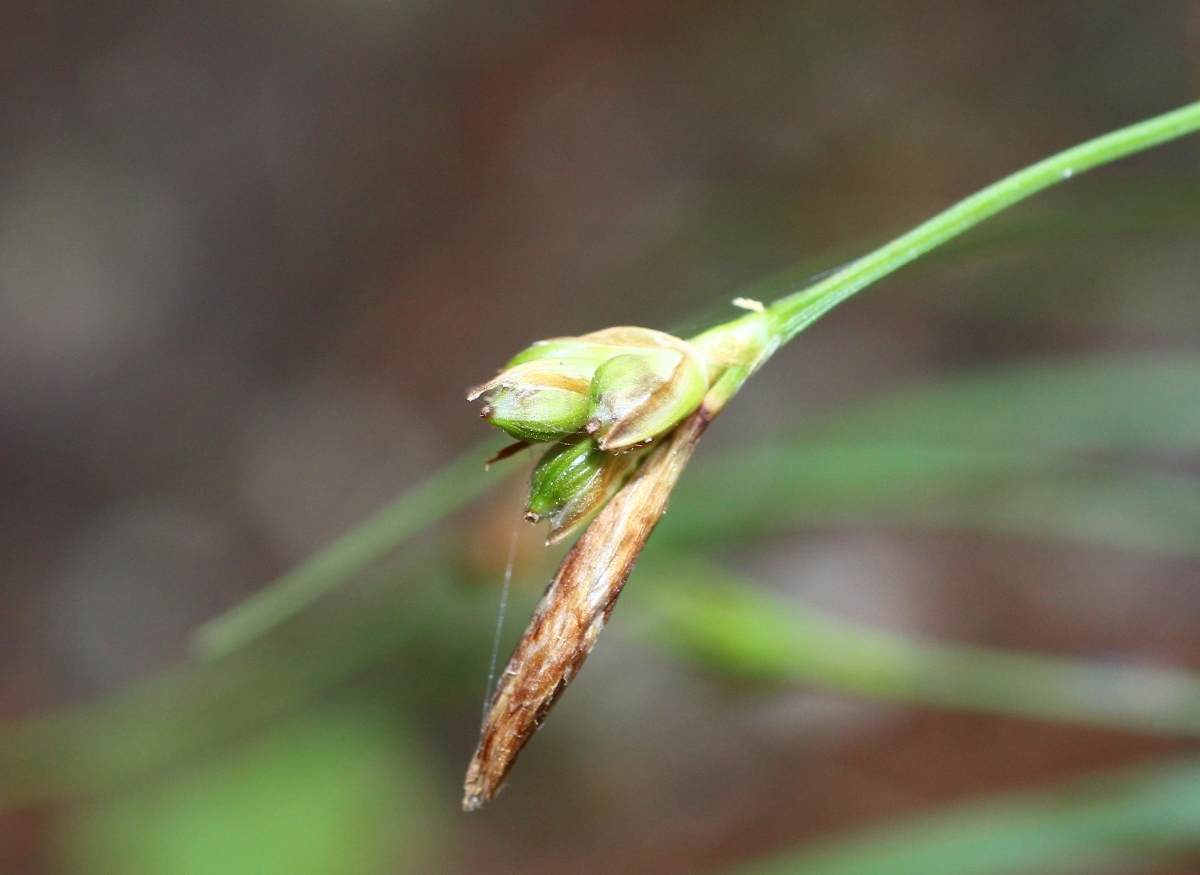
(187, 708)
(1029, 449)
(334, 794)
(430, 501)
(1116, 821)
(1096, 404)
(770, 488)
(733, 626)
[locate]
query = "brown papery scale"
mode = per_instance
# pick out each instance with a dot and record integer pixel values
(574, 610)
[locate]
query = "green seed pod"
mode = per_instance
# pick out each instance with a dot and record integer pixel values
(635, 397)
(546, 392)
(566, 471)
(571, 482)
(541, 400)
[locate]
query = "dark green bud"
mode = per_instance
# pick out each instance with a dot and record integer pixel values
(571, 482)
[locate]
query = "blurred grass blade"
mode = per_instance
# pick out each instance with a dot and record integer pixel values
(339, 791)
(1101, 403)
(734, 627)
(1126, 510)
(1043, 496)
(416, 510)
(1120, 820)
(82, 748)
(1029, 449)
(189, 708)
(771, 486)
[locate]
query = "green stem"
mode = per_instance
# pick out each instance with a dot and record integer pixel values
(792, 314)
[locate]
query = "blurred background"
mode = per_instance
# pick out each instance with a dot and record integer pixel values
(253, 254)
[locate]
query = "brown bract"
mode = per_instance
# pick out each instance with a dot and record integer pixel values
(574, 610)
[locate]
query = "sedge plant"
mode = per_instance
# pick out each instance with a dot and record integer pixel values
(623, 409)
(619, 413)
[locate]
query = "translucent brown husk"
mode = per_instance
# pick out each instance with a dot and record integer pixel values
(574, 610)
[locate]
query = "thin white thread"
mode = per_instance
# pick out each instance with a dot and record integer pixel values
(508, 573)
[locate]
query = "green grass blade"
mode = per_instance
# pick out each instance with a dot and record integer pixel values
(1090, 404)
(1103, 823)
(737, 628)
(1027, 449)
(190, 708)
(1043, 496)
(425, 504)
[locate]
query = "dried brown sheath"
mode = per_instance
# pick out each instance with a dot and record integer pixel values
(574, 610)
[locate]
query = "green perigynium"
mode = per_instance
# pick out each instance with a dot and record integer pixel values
(625, 385)
(602, 398)
(539, 400)
(635, 397)
(572, 481)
